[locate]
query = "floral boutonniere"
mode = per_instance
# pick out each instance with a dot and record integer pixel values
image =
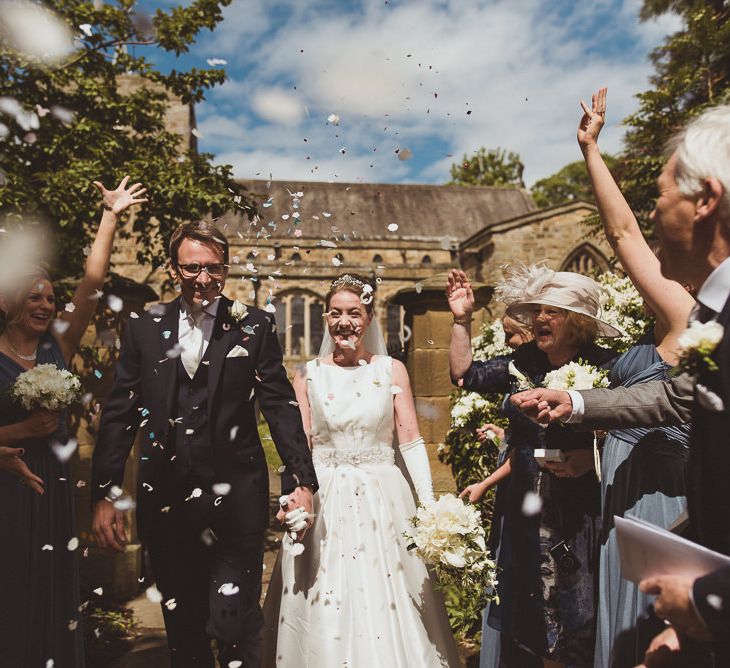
(238, 311)
(696, 345)
(523, 382)
(576, 376)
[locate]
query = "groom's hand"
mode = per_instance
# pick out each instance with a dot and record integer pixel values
(301, 497)
(108, 526)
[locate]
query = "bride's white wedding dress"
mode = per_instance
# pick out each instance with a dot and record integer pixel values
(356, 597)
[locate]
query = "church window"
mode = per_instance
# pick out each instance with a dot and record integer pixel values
(377, 258)
(296, 257)
(299, 324)
(426, 259)
(585, 259)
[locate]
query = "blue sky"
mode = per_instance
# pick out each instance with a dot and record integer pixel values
(404, 74)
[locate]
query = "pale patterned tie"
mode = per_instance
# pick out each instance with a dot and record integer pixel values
(192, 353)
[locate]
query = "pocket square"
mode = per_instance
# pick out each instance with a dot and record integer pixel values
(237, 351)
(709, 400)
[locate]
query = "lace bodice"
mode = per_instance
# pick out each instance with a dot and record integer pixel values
(352, 412)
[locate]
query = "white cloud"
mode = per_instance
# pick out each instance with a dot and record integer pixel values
(277, 106)
(407, 74)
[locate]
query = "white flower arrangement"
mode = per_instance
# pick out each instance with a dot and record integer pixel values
(623, 307)
(523, 382)
(696, 345)
(490, 343)
(238, 310)
(448, 536)
(576, 376)
(46, 386)
(466, 405)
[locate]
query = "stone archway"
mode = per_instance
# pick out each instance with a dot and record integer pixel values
(585, 259)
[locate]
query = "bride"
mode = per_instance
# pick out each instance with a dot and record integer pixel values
(355, 596)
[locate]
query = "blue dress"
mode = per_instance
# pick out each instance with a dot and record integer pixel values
(643, 475)
(547, 609)
(39, 587)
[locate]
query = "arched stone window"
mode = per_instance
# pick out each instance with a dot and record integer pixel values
(394, 338)
(299, 324)
(426, 259)
(585, 259)
(296, 257)
(377, 258)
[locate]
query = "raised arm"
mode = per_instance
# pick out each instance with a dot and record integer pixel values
(669, 301)
(461, 303)
(97, 264)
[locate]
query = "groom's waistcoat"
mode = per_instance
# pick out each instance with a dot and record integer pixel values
(192, 436)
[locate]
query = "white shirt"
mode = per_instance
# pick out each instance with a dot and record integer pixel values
(186, 323)
(714, 293)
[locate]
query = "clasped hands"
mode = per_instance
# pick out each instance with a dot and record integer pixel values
(544, 406)
(295, 512)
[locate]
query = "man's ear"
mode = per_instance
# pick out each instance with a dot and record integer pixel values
(173, 272)
(710, 198)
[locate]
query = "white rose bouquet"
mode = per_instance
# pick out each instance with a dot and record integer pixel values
(576, 376)
(46, 386)
(448, 536)
(696, 345)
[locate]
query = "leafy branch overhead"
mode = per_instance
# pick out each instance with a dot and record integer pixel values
(100, 113)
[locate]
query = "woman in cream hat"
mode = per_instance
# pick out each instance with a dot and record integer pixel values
(552, 516)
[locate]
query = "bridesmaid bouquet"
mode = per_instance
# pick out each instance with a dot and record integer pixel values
(448, 536)
(46, 386)
(576, 376)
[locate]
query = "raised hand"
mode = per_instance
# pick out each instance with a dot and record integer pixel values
(593, 119)
(459, 294)
(10, 461)
(122, 198)
(544, 406)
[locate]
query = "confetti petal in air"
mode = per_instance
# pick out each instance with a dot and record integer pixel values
(35, 31)
(393, 227)
(73, 544)
(228, 589)
(153, 594)
(221, 488)
(64, 452)
(197, 133)
(212, 62)
(531, 504)
(116, 304)
(404, 154)
(333, 119)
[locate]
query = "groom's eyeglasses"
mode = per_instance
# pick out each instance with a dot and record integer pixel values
(193, 269)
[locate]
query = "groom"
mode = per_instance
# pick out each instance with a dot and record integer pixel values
(187, 377)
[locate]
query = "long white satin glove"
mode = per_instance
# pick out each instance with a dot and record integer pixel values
(416, 460)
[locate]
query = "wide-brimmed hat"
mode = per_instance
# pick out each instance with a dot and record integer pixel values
(528, 286)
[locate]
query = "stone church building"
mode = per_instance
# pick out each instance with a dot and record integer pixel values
(405, 237)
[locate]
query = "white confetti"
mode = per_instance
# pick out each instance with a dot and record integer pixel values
(153, 594)
(170, 603)
(270, 308)
(73, 624)
(64, 452)
(531, 504)
(212, 62)
(235, 664)
(337, 262)
(714, 601)
(73, 544)
(47, 548)
(70, 307)
(228, 589)
(197, 133)
(233, 432)
(333, 119)
(393, 227)
(60, 326)
(86, 29)
(174, 352)
(394, 389)
(99, 591)
(116, 304)
(221, 488)
(35, 31)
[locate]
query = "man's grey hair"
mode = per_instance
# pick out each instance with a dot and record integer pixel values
(703, 151)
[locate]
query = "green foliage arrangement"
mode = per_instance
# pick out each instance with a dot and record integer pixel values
(100, 114)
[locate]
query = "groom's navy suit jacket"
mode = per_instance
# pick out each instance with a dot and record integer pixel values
(143, 399)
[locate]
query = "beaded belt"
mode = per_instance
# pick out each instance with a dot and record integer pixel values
(327, 456)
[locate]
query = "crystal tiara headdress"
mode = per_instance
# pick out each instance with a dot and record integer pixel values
(347, 279)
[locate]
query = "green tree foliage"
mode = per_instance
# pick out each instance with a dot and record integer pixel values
(92, 125)
(567, 184)
(692, 68)
(493, 167)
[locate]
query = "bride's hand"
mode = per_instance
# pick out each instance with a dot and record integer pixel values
(593, 119)
(300, 498)
(122, 198)
(459, 294)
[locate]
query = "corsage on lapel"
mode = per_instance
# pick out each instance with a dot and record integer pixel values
(696, 345)
(238, 311)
